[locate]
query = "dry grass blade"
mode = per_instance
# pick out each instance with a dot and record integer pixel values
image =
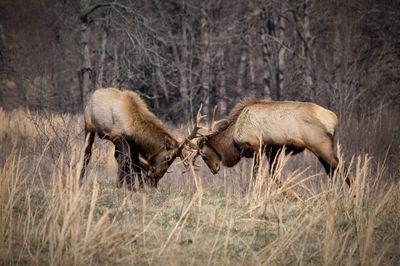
(46, 218)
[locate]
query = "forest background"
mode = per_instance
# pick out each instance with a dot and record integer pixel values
(178, 54)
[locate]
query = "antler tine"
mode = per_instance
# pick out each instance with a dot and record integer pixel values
(191, 136)
(193, 163)
(199, 117)
(197, 126)
(194, 132)
(212, 122)
(194, 159)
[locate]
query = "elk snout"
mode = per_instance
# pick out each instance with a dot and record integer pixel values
(215, 168)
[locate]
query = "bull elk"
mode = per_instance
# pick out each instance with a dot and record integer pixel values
(141, 141)
(294, 125)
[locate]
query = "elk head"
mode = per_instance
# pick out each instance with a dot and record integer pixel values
(210, 156)
(158, 164)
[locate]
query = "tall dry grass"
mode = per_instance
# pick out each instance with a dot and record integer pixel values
(192, 218)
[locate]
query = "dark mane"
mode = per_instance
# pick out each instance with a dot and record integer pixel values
(148, 124)
(234, 114)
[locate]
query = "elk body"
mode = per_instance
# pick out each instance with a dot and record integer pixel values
(294, 125)
(141, 141)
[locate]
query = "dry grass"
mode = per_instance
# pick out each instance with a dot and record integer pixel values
(45, 218)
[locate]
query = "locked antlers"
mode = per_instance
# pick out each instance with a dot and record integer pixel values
(187, 142)
(195, 134)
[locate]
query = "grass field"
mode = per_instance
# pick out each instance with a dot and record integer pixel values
(195, 218)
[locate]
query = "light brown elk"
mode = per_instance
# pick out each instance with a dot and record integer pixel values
(141, 141)
(293, 125)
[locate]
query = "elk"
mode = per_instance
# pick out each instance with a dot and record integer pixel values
(273, 124)
(141, 141)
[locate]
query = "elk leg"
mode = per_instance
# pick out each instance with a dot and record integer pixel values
(136, 168)
(129, 173)
(89, 139)
(118, 156)
(331, 167)
(328, 159)
(348, 180)
(256, 165)
(328, 165)
(122, 155)
(153, 182)
(129, 166)
(272, 155)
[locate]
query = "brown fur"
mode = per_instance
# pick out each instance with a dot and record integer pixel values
(123, 118)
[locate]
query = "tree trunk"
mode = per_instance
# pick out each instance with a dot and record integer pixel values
(104, 35)
(309, 92)
(181, 60)
(161, 79)
(252, 76)
(115, 80)
(221, 80)
(205, 69)
(267, 26)
(241, 70)
(86, 66)
(281, 60)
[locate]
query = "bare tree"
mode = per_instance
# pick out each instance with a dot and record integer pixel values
(267, 28)
(309, 92)
(177, 54)
(105, 28)
(221, 80)
(86, 66)
(281, 59)
(273, 49)
(206, 60)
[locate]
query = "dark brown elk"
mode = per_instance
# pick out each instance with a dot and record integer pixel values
(142, 144)
(275, 125)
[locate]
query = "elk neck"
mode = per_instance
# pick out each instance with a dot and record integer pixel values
(147, 131)
(153, 140)
(223, 141)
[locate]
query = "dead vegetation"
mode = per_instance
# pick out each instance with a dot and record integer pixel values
(193, 218)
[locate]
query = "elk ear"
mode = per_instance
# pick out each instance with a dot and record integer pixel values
(202, 142)
(169, 143)
(220, 124)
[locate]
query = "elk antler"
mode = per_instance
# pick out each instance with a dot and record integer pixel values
(194, 159)
(191, 136)
(196, 127)
(212, 122)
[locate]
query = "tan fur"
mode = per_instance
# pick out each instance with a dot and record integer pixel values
(274, 125)
(116, 114)
(327, 118)
(123, 118)
(222, 140)
(282, 123)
